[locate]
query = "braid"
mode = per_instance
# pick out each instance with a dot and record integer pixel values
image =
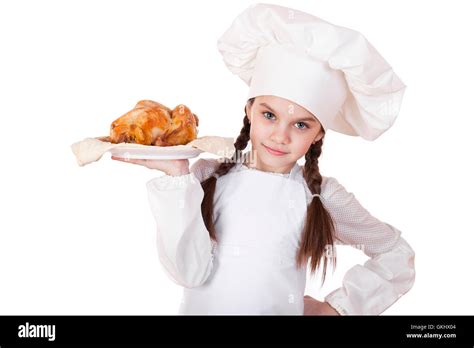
(239, 145)
(209, 185)
(319, 227)
(311, 167)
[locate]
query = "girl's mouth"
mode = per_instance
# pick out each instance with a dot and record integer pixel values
(274, 152)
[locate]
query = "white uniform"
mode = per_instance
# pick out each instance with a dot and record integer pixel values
(259, 217)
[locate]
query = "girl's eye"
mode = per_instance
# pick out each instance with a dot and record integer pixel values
(302, 123)
(268, 113)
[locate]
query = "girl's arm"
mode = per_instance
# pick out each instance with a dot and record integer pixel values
(382, 280)
(183, 242)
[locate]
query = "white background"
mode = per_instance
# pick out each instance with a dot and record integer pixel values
(81, 240)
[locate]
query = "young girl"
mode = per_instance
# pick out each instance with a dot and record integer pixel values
(238, 234)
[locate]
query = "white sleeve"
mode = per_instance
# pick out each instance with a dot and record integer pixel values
(388, 274)
(185, 248)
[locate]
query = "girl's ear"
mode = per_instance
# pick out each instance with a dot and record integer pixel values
(318, 137)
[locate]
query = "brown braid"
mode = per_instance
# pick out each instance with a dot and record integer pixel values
(317, 239)
(209, 185)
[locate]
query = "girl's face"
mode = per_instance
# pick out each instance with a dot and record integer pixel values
(279, 124)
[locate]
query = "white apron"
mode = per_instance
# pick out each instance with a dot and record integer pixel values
(259, 219)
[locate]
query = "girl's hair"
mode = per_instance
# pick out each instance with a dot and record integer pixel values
(317, 237)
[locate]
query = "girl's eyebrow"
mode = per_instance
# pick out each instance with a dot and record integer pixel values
(308, 119)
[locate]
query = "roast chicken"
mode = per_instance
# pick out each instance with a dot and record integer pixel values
(151, 123)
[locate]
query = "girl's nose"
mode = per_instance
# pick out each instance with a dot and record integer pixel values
(280, 135)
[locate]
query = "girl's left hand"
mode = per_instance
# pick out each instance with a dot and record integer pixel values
(315, 307)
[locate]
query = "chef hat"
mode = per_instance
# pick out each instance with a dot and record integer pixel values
(331, 71)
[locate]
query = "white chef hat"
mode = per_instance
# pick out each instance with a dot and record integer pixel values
(331, 71)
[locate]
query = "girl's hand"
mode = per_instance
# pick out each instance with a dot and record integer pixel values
(315, 307)
(170, 167)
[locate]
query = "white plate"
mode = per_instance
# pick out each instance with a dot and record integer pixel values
(155, 152)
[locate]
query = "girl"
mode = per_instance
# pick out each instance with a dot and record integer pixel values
(238, 234)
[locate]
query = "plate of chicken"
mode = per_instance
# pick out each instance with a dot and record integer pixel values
(153, 131)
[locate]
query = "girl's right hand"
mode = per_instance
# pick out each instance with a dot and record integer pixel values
(315, 307)
(170, 167)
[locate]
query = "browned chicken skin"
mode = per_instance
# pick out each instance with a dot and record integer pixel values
(151, 123)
